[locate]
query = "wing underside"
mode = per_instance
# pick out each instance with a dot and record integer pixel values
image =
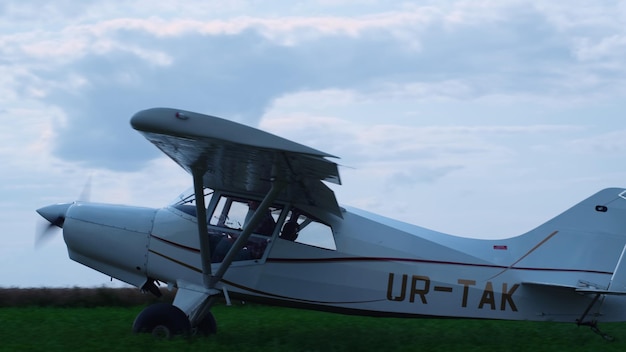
(239, 158)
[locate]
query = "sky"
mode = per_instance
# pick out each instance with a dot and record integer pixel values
(476, 118)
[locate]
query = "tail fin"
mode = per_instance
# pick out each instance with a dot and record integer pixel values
(602, 213)
(582, 242)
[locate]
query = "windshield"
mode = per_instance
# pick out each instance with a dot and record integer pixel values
(188, 197)
(186, 201)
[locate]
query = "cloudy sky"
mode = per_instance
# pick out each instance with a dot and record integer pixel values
(477, 118)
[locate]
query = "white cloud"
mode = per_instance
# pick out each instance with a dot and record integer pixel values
(612, 47)
(444, 173)
(611, 143)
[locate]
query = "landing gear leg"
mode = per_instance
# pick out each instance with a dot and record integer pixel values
(593, 324)
(594, 327)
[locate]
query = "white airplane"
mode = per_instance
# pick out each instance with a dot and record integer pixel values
(261, 225)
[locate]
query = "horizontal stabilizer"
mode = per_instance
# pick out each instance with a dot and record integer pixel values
(549, 285)
(577, 289)
(602, 292)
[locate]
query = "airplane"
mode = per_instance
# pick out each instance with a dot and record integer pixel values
(261, 224)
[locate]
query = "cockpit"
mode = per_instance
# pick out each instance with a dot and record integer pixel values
(228, 214)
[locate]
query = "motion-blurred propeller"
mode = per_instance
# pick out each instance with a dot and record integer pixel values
(55, 214)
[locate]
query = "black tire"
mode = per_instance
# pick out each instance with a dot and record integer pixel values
(206, 327)
(162, 320)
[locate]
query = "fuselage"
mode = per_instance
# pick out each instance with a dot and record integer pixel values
(367, 264)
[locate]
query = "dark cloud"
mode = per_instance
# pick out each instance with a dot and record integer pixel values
(237, 75)
(233, 76)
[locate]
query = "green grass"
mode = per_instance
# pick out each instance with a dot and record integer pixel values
(261, 328)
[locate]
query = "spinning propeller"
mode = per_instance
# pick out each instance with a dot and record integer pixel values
(55, 214)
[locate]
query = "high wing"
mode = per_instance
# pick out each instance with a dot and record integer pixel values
(238, 158)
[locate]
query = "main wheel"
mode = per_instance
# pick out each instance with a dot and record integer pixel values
(162, 320)
(207, 326)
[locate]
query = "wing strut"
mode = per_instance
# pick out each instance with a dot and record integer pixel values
(209, 280)
(205, 246)
(196, 301)
(270, 197)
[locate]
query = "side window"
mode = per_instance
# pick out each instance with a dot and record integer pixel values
(229, 213)
(228, 219)
(304, 229)
(234, 213)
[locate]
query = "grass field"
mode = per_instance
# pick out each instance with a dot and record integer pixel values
(260, 328)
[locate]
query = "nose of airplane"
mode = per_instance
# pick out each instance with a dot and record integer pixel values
(55, 214)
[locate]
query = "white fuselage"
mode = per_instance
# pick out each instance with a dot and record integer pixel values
(377, 266)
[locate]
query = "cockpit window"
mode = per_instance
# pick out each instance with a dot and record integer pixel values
(229, 217)
(302, 228)
(226, 219)
(234, 213)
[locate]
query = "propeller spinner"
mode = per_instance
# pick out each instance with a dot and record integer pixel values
(55, 214)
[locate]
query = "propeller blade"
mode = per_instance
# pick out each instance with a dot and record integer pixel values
(44, 233)
(85, 195)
